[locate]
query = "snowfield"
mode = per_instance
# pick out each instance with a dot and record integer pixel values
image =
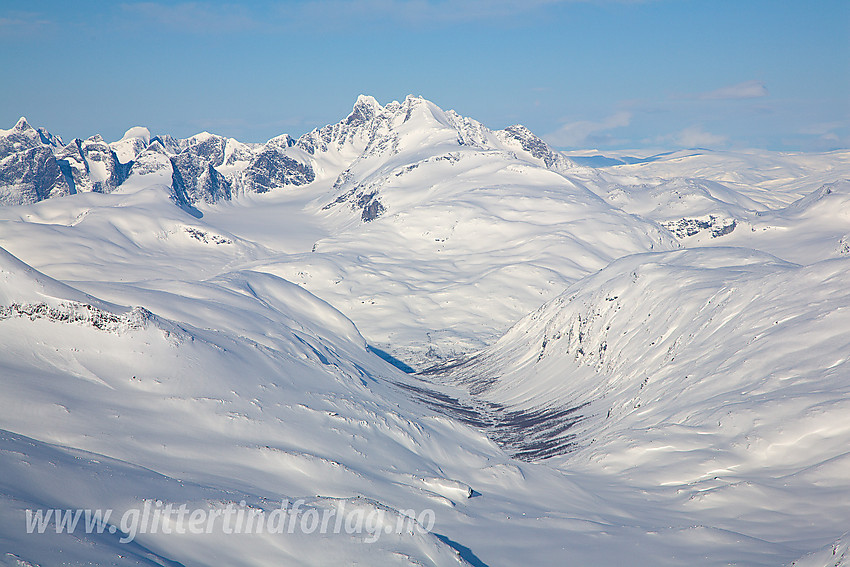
(407, 339)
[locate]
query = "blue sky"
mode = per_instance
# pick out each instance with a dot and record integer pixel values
(607, 74)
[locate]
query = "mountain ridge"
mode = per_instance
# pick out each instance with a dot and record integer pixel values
(210, 168)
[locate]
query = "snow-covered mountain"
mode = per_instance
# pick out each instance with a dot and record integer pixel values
(388, 188)
(641, 362)
(206, 167)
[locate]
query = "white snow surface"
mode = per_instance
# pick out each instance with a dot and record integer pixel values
(134, 141)
(641, 364)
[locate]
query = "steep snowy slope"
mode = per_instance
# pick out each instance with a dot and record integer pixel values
(244, 387)
(432, 232)
(442, 232)
(177, 322)
(713, 379)
(280, 400)
(836, 554)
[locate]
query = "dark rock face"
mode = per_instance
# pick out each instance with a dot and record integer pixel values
(97, 154)
(35, 166)
(271, 169)
(686, 227)
(530, 143)
(197, 180)
(31, 176)
(359, 198)
(363, 122)
(90, 166)
(371, 206)
(168, 143)
(210, 150)
(74, 166)
(535, 146)
(178, 185)
(195, 177)
(153, 160)
(240, 153)
(21, 138)
(29, 172)
(78, 313)
(212, 185)
(363, 113)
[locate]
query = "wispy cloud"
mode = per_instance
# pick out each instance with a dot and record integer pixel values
(22, 24)
(747, 89)
(428, 12)
(828, 135)
(695, 136)
(586, 132)
(203, 17)
(823, 128)
(419, 11)
(193, 17)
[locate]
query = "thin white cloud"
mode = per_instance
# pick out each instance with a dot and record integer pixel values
(425, 12)
(823, 128)
(747, 89)
(195, 17)
(202, 17)
(22, 24)
(584, 132)
(417, 11)
(696, 137)
(828, 135)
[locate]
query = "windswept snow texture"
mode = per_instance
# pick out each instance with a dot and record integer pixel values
(408, 314)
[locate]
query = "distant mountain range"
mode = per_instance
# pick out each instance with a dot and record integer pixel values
(37, 165)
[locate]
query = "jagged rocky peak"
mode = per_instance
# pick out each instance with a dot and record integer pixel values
(371, 129)
(37, 166)
(283, 141)
(406, 128)
(236, 151)
(23, 128)
(19, 138)
(153, 160)
(49, 139)
(270, 168)
(30, 176)
(537, 148)
(208, 167)
(355, 130)
(22, 125)
(366, 108)
(168, 143)
(206, 146)
(156, 147)
(414, 106)
(194, 177)
(102, 166)
(212, 186)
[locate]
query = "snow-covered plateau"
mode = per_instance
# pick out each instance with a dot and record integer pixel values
(407, 339)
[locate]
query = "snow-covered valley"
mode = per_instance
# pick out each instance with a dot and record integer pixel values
(543, 358)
